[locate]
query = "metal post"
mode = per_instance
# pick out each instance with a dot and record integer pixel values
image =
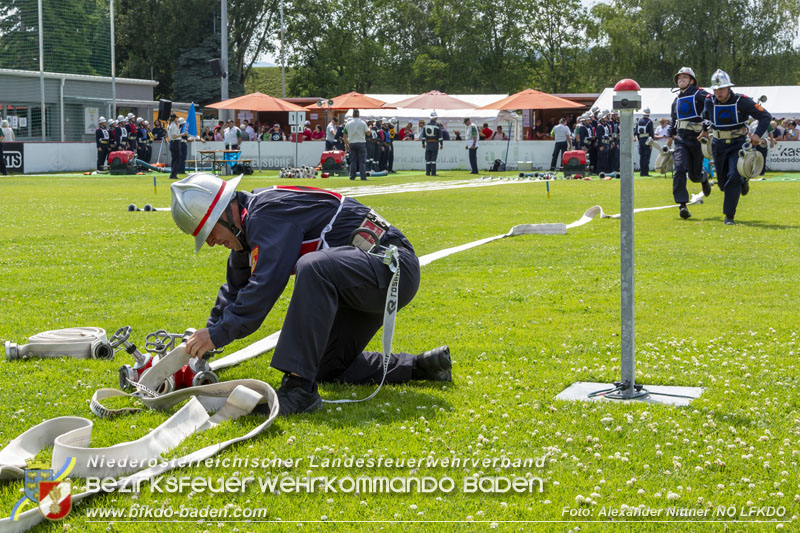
(61, 107)
(283, 59)
(224, 59)
(113, 68)
(41, 72)
(626, 255)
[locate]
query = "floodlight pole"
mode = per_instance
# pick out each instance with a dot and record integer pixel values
(224, 52)
(113, 68)
(626, 100)
(283, 57)
(41, 71)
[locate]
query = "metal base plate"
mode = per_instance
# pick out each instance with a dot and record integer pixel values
(683, 395)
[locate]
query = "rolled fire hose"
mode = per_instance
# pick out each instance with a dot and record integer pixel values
(79, 343)
(751, 161)
(705, 147)
(664, 160)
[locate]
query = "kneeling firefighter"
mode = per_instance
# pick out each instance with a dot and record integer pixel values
(331, 243)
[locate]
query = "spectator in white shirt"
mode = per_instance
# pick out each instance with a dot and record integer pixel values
(233, 136)
(563, 139)
(662, 131)
(330, 133)
(499, 135)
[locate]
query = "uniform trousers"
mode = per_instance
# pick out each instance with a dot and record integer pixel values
(336, 308)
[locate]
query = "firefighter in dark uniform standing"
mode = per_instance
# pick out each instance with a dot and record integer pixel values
(594, 124)
(101, 138)
(686, 125)
(432, 140)
(582, 133)
(133, 133)
(370, 136)
(613, 154)
(340, 289)
(726, 112)
(645, 132)
(121, 134)
(603, 132)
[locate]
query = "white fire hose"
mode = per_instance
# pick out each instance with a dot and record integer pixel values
(751, 161)
(664, 160)
(80, 343)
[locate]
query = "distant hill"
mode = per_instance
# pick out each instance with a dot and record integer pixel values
(267, 80)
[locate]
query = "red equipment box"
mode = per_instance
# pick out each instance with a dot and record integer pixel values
(332, 157)
(579, 157)
(573, 162)
(124, 157)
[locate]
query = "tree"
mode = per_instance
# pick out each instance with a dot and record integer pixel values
(650, 39)
(251, 23)
(557, 33)
(75, 36)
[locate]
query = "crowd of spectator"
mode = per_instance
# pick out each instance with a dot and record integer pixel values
(331, 133)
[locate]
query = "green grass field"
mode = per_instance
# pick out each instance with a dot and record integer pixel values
(524, 317)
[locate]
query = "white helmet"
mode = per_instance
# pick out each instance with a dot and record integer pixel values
(720, 80)
(101, 120)
(197, 203)
(646, 111)
(434, 115)
(685, 70)
(120, 118)
(139, 119)
(181, 120)
(131, 115)
(112, 122)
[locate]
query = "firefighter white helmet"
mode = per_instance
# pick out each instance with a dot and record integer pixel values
(181, 120)
(646, 111)
(139, 119)
(101, 120)
(120, 118)
(433, 114)
(685, 70)
(720, 80)
(197, 203)
(131, 115)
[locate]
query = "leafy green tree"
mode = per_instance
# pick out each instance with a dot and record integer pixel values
(75, 38)
(187, 29)
(557, 34)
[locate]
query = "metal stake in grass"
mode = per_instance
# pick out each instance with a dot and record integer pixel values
(626, 100)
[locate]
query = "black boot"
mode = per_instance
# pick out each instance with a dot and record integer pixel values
(433, 365)
(684, 211)
(297, 395)
(745, 187)
(706, 187)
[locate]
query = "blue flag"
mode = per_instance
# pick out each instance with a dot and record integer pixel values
(191, 122)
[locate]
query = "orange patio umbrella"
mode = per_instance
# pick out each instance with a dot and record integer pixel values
(433, 100)
(532, 99)
(257, 102)
(351, 100)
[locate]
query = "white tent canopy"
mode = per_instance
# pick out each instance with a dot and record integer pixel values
(405, 115)
(782, 100)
